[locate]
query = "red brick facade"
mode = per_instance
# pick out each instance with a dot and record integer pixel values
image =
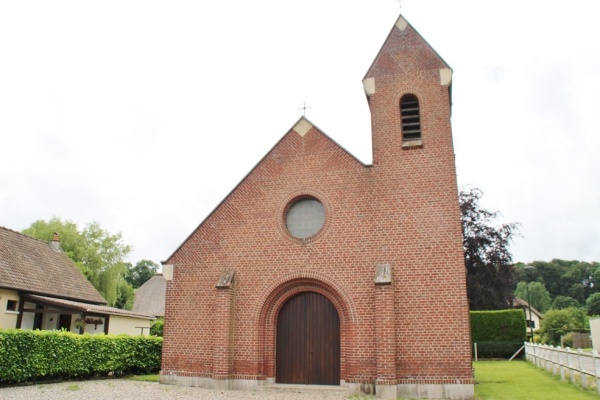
(406, 336)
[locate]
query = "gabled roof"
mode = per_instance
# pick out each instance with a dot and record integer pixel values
(84, 307)
(33, 266)
(150, 297)
(404, 44)
(301, 127)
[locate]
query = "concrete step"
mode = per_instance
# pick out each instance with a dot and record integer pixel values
(303, 388)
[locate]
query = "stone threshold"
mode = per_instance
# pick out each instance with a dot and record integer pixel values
(303, 388)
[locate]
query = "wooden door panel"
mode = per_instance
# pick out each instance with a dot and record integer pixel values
(308, 341)
(325, 342)
(292, 328)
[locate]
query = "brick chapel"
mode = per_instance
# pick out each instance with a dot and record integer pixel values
(318, 269)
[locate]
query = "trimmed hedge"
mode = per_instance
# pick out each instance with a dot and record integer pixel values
(27, 355)
(498, 334)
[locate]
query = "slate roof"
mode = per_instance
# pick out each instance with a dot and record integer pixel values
(33, 266)
(150, 297)
(85, 307)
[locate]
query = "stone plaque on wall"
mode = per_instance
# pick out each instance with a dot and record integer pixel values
(225, 279)
(383, 274)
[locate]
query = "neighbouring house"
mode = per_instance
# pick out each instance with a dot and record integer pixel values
(320, 269)
(41, 288)
(150, 297)
(534, 320)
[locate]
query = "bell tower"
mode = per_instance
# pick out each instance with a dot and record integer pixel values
(416, 221)
(408, 90)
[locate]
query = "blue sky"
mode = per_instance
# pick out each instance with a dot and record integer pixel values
(143, 115)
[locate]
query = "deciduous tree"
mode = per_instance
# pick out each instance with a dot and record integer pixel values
(125, 296)
(561, 302)
(142, 271)
(568, 282)
(540, 298)
(593, 304)
(490, 275)
(99, 254)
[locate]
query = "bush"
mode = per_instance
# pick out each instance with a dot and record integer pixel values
(498, 334)
(156, 329)
(27, 355)
(557, 323)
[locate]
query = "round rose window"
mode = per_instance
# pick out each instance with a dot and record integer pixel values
(305, 217)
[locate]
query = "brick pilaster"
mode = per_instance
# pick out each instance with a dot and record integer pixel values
(223, 330)
(385, 327)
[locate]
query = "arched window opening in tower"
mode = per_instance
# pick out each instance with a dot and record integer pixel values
(411, 120)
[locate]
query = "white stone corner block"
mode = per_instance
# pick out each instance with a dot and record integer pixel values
(302, 127)
(386, 392)
(445, 76)
(369, 86)
(401, 23)
(167, 271)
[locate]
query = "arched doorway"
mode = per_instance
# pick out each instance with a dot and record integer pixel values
(308, 341)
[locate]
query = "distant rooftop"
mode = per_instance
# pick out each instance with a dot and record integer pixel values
(150, 297)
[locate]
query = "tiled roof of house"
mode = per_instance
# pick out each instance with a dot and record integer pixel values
(150, 297)
(33, 266)
(85, 307)
(520, 303)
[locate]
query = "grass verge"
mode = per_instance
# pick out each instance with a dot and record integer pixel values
(144, 378)
(520, 380)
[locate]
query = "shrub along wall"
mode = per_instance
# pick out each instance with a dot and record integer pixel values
(157, 327)
(498, 334)
(27, 355)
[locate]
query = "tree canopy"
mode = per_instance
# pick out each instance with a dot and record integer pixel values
(540, 298)
(568, 279)
(561, 302)
(490, 274)
(99, 254)
(593, 304)
(138, 274)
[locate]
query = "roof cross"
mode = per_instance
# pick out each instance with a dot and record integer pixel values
(303, 108)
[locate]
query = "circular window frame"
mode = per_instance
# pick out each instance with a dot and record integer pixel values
(293, 199)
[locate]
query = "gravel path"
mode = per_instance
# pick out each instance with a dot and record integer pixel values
(120, 389)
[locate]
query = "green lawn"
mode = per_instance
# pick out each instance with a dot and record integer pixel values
(520, 380)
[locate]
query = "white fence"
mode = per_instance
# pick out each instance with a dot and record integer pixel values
(566, 362)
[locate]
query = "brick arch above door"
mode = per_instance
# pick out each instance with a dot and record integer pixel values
(279, 292)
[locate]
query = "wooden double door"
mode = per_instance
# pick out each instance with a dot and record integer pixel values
(308, 341)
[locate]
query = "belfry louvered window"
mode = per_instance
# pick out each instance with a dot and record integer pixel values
(411, 120)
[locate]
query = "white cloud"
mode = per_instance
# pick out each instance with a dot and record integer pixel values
(123, 112)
